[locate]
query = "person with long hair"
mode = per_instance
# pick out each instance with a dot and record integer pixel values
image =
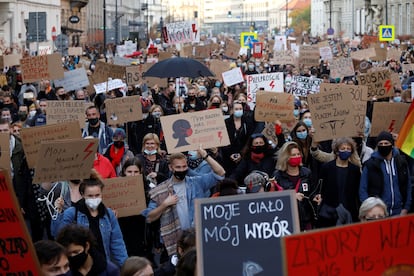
(92, 213)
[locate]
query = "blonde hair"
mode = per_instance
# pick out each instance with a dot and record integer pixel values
(336, 143)
(151, 136)
(284, 155)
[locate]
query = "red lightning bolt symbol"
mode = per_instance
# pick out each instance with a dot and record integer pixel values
(391, 127)
(220, 136)
(272, 84)
(88, 151)
(194, 29)
(388, 85)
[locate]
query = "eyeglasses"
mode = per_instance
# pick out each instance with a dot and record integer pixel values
(374, 218)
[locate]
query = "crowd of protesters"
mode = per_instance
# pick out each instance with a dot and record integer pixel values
(331, 179)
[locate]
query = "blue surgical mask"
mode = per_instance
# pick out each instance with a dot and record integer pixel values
(192, 155)
(344, 155)
(302, 135)
(156, 114)
(397, 99)
(307, 122)
(218, 84)
(296, 112)
(150, 152)
(238, 113)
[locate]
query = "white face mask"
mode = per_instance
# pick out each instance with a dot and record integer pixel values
(93, 203)
(32, 113)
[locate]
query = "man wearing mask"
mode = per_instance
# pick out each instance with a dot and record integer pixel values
(98, 129)
(192, 103)
(164, 98)
(386, 175)
(22, 114)
(173, 200)
(251, 69)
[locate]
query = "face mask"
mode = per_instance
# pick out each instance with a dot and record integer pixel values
(397, 99)
(119, 144)
(257, 63)
(225, 108)
(216, 105)
(93, 203)
(218, 84)
(27, 102)
(295, 161)
(307, 122)
(180, 175)
(344, 155)
(78, 260)
(7, 118)
(191, 98)
(238, 113)
(384, 150)
(296, 112)
(192, 155)
(150, 152)
(258, 149)
(22, 116)
(75, 181)
(32, 113)
(93, 121)
(251, 67)
(156, 114)
(302, 135)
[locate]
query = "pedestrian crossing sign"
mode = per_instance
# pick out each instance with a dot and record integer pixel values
(386, 33)
(247, 39)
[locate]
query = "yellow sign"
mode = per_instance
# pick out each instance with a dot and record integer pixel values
(247, 39)
(386, 32)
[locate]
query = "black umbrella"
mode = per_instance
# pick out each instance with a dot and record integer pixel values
(176, 67)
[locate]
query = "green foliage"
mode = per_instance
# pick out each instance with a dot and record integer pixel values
(301, 20)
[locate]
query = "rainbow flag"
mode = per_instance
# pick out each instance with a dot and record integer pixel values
(405, 139)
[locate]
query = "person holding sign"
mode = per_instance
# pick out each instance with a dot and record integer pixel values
(90, 211)
(118, 152)
(291, 174)
(98, 129)
(340, 184)
(173, 200)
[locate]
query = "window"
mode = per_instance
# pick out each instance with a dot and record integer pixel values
(408, 18)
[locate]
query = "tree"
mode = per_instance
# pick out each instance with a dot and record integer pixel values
(301, 20)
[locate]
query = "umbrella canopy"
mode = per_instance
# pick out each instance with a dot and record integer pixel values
(178, 67)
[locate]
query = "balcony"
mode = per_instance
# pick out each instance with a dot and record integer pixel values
(78, 4)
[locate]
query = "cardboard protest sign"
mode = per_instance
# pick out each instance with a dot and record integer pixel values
(66, 159)
(58, 112)
(75, 51)
(395, 79)
(123, 110)
(187, 51)
(33, 136)
(371, 248)
(380, 54)
(5, 151)
(379, 84)
(104, 70)
(269, 132)
(234, 225)
(10, 60)
(388, 116)
(364, 54)
(332, 115)
(272, 106)
(47, 67)
(182, 32)
(394, 54)
(187, 131)
(233, 76)
(152, 81)
(232, 49)
(407, 67)
(341, 67)
(218, 67)
(303, 86)
(104, 87)
(268, 82)
(126, 195)
(309, 55)
(284, 57)
(18, 256)
(133, 75)
(326, 53)
(73, 80)
(359, 101)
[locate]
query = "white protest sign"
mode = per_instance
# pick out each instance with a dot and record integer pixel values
(182, 32)
(233, 76)
(302, 86)
(326, 53)
(280, 43)
(73, 79)
(269, 82)
(107, 86)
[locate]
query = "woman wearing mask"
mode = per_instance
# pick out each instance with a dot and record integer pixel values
(239, 129)
(339, 186)
(178, 103)
(152, 124)
(225, 110)
(118, 152)
(81, 249)
(214, 102)
(291, 175)
(91, 212)
(257, 155)
(300, 135)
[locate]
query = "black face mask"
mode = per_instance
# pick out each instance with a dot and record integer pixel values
(93, 121)
(191, 98)
(78, 260)
(118, 144)
(180, 175)
(9, 106)
(216, 105)
(258, 149)
(27, 102)
(384, 150)
(75, 181)
(22, 116)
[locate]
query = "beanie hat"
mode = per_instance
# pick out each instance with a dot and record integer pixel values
(119, 132)
(254, 181)
(384, 135)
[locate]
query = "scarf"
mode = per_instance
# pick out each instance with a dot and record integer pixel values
(256, 157)
(116, 157)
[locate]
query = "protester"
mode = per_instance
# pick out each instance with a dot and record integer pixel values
(118, 152)
(52, 258)
(98, 129)
(135, 266)
(372, 208)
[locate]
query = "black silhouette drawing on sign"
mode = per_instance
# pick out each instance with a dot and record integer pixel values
(182, 129)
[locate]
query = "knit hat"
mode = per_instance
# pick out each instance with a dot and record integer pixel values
(119, 132)
(384, 135)
(254, 181)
